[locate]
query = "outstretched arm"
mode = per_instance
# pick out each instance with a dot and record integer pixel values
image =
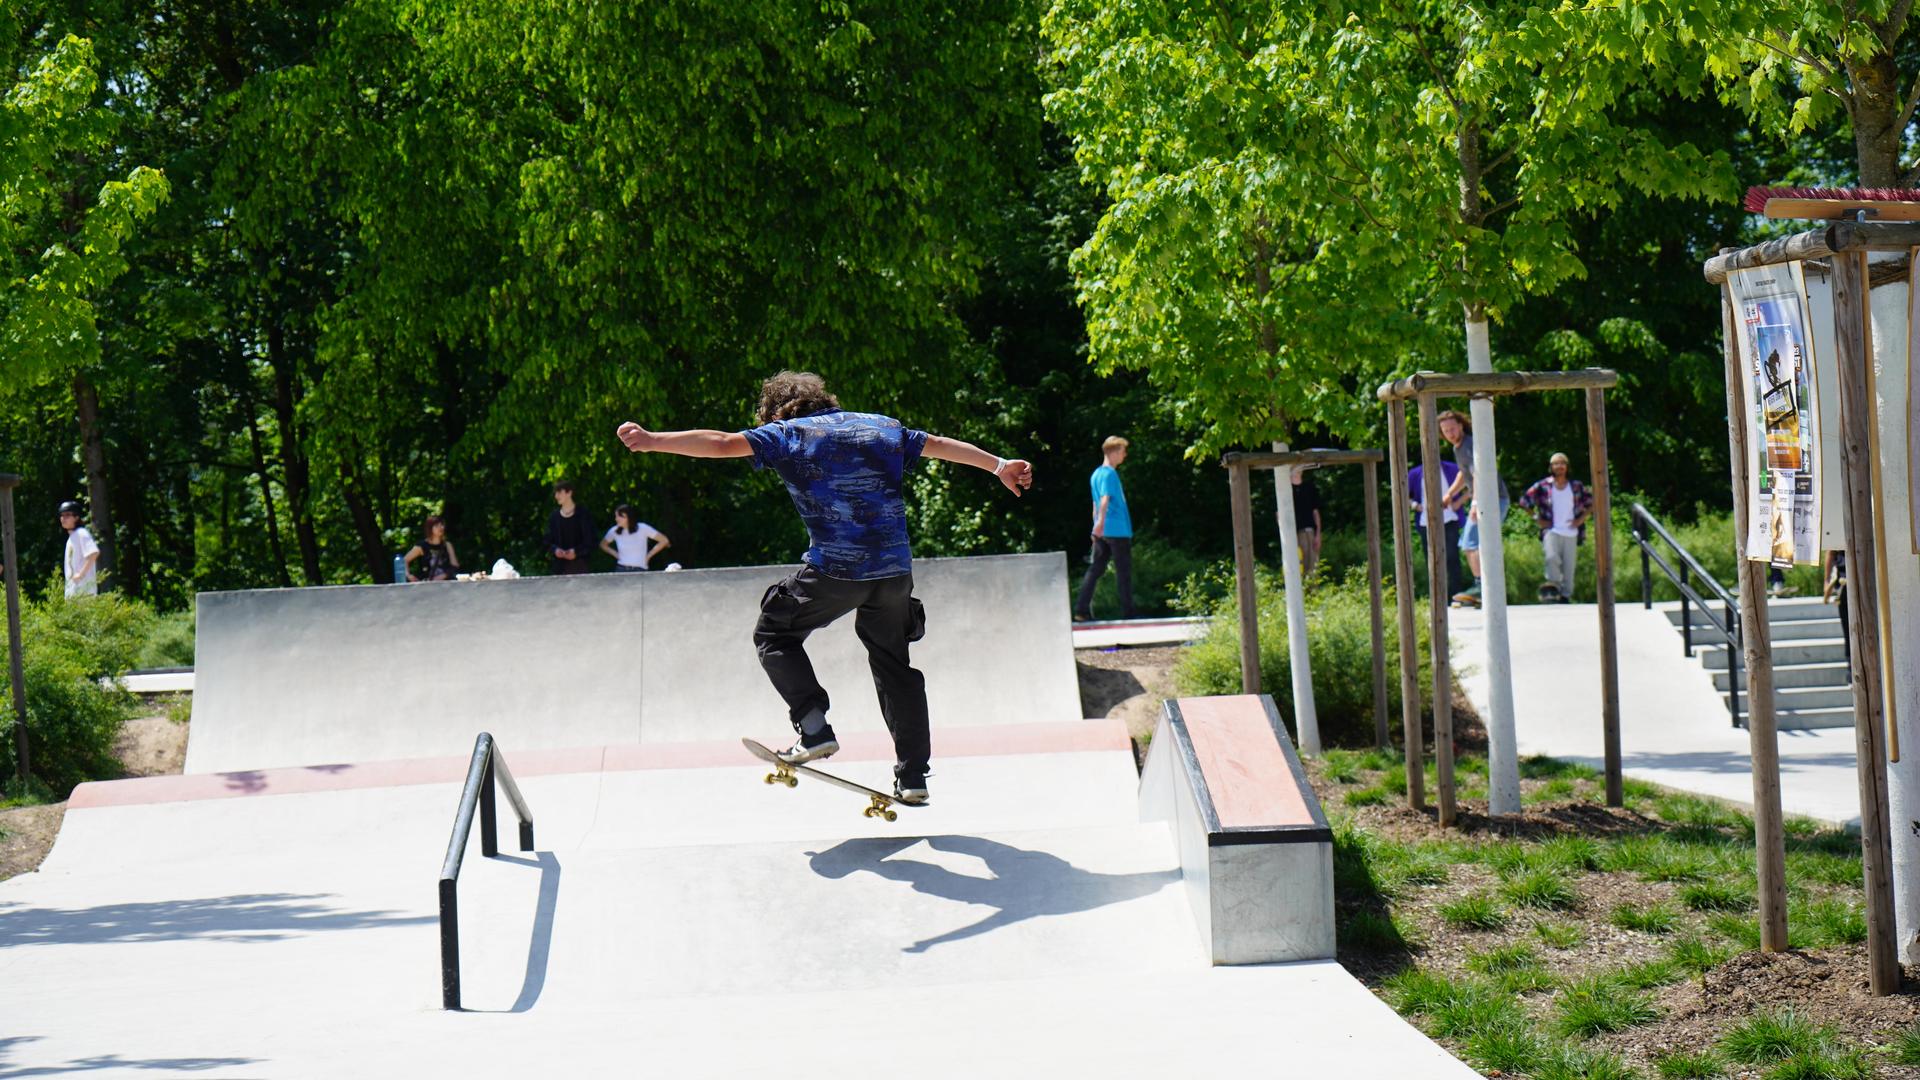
(1016, 474)
(700, 443)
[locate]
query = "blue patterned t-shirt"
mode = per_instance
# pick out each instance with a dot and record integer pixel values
(843, 470)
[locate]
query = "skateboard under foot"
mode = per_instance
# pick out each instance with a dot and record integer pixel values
(879, 803)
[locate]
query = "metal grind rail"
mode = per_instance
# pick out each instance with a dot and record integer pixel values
(487, 767)
(1727, 623)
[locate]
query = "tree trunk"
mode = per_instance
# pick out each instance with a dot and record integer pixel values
(93, 455)
(373, 545)
(258, 446)
(1874, 109)
(293, 459)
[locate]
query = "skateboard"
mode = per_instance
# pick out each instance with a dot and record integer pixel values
(879, 804)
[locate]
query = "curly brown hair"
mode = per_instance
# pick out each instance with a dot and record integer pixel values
(794, 393)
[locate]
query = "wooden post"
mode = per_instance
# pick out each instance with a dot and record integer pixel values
(1769, 836)
(16, 664)
(1603, 587)
(1437, 585)
(1244, 584)
(1371, 481)
(1852, 333)
(1403, 604)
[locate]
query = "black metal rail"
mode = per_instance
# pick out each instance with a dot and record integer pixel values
(1689, 570)
(486, 768)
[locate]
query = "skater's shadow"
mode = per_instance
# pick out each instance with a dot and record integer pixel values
(1025, 884)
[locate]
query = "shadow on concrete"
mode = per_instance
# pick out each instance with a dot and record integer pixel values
(540, 943)
(101, 1062)
(1025, 884)
(245, 918)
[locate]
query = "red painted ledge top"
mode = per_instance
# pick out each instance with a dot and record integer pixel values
(1039, 738)
(1247, 773)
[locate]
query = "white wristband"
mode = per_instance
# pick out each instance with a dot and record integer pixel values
(998, 464)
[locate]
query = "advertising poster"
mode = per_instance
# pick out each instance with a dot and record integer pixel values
(1783, 487)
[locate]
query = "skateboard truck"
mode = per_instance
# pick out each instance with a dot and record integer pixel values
(879, 807)
(782, 775)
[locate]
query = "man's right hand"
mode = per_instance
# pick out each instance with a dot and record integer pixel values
(1017, 475)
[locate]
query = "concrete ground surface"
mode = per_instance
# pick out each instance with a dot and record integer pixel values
(679, 917)
(1674, 726)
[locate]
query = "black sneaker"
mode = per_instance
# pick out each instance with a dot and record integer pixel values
(910, 786)
(811, 747)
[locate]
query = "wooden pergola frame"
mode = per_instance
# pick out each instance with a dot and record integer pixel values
(15, 663)
(1844, 246)
(1424, 388)
(1239, 465)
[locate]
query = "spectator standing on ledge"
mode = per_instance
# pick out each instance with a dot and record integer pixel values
(570, 534)
(1306, 517)
(1560, 509)
(83, 555)
(1449, 522)
(627, 542)
(1112, 533)
(442, 563)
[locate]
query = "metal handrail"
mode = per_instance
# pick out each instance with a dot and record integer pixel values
(486, 767)
(1727, 623)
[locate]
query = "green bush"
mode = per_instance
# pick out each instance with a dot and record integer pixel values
(1339, 646)
(170, 643)
(72, 718)
(1160, 571)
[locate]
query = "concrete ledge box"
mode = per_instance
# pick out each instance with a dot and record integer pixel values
(1256, 853)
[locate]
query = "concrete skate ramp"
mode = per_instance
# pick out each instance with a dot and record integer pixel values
(379, 672)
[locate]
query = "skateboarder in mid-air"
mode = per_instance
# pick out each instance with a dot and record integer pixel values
(844, 472)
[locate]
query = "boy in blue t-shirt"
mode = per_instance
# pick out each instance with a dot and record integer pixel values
(1112, 533)
(843, 470)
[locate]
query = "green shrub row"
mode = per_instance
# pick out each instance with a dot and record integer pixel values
(73, 716)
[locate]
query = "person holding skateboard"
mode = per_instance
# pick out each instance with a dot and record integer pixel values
(844, 472)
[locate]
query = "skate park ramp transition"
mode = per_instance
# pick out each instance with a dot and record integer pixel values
(362, 673)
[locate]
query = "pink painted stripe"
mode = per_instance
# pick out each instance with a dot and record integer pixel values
(1247, 773)
(1079, 736)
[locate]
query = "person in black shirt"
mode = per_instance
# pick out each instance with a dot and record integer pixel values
(570, 536)
(442, 562)
(1306, 518)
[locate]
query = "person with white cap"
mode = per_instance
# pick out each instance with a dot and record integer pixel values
(1561, 507)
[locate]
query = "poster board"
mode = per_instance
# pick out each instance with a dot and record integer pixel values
(1826, 400)
(1779, 405)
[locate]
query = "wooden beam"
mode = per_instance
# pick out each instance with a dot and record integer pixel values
(16, 675)
(1763, 743)
(1245, 586)
(1437, 586)
(1603, 587)
(1852, 334)
(1493, 383)
(1821, 243)
(1371, 482)
(1273, 459)
(1403, 605)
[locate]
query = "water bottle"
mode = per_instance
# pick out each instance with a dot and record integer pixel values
(399, 570)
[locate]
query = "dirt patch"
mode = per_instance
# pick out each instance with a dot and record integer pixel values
(154, 745)
(1127, 684)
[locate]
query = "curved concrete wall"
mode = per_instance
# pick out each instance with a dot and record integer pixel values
(376, 672)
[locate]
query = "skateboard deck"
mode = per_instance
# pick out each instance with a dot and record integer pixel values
(880, 804)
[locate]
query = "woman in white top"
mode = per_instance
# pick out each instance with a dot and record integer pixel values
(627, 542)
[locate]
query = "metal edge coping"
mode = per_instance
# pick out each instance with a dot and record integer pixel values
(1190, 761)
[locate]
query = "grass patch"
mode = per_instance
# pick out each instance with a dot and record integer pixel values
(1340, 766)
(1827, 1065)
(1596, 1005)
(1575, 853)
(1515, 969)
(1371, 931)
(1904, 1048)
(1824, 868)
(1690, 1065)
(1826, 923)
(1697, 957)
(1647, 974)
(1373, 796)
(1653, 919)
(1718, 895)
(1474, 911)
(1574, 1063)
(1773, 1035)
(1541, 767)
(1559, 935)
(1508, 1049)
(1381, 760)
(1542, 890)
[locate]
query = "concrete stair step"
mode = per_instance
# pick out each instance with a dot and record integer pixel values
(1794, 675)
(1788, 630)
(1807, 697)
(1789, 609)
(1811, 719)
(1809, 651)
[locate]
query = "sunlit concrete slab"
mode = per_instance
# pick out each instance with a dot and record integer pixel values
(310, 676)
(1674, 726)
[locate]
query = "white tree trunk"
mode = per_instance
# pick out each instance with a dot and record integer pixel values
(1503, 764)
(1306, 722)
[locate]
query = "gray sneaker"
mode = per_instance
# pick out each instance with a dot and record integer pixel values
(810, 748)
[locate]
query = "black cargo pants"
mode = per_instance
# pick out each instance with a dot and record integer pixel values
(887, 618)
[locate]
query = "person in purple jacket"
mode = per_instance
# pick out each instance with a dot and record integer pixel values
(844, 472)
